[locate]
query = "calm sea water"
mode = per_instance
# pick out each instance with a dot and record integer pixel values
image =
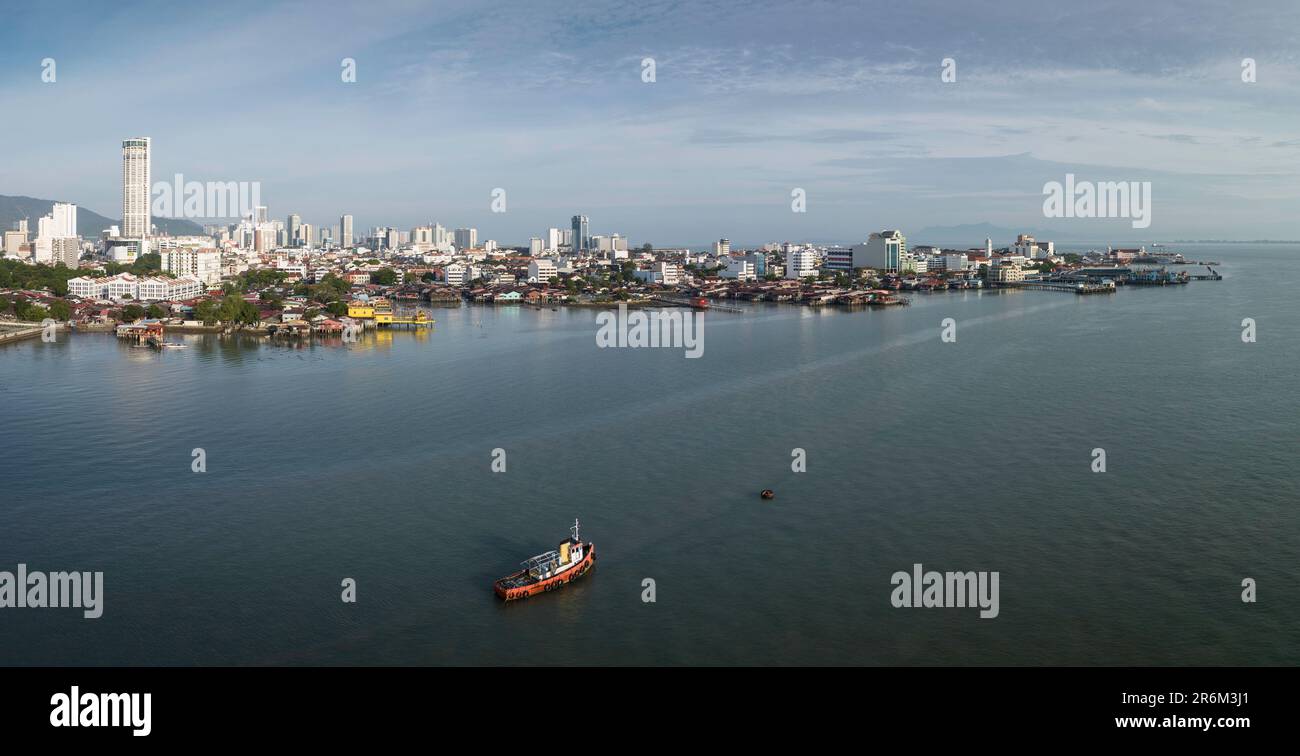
(372, 461)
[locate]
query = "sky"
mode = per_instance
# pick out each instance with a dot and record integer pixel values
(751, 100)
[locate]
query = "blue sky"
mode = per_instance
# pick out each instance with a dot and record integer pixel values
(752, 99)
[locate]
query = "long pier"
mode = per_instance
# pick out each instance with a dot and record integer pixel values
(1076, 288)
(689, 303)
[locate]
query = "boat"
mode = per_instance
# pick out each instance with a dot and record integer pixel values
(549, 571)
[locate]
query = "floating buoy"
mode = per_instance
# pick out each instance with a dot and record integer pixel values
(768, 494)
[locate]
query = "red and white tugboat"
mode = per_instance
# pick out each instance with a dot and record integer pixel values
(549, 571)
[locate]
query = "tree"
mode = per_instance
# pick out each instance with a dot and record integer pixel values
(206, 311)
(132, 312)
(384, 277)
(155, 312)
(59, 310)
(337, 308)
(33, 312)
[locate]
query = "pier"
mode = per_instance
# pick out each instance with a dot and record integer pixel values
(698, 304)
(18, 331)
(1079, 287)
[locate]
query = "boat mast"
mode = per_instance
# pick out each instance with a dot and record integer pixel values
(575, 529)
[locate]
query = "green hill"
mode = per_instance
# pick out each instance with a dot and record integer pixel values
(89, 222)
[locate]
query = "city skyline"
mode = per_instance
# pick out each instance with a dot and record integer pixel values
(446, 108)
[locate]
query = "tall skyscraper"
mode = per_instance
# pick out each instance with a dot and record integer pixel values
(295, 226)
(345, 231)
(466, 238)
(135, 188)
(581, 235)
(65, 220)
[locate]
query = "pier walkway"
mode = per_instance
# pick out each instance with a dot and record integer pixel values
(708, 304)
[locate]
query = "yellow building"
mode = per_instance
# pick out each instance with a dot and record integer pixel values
(359, 309)
(383, 312)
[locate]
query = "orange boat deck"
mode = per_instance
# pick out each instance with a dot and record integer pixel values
(521, 585)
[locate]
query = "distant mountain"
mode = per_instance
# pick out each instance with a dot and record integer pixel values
(89, 222)
(971, 235)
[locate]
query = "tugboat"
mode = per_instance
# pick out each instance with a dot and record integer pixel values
(549, 571)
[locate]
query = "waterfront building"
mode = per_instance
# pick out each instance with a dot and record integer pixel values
(146, 289)
(1006, 273)
(542, 270)
(883, 251)
(801, 262)
(136, 222)
(1028, 247)
(664, 273)
(839, 259)
(739, 268)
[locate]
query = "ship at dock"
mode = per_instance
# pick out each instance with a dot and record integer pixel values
(549, 571)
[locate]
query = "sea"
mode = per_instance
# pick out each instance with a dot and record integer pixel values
(423, 465)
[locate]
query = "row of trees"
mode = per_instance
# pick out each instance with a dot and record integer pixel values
(231, 309)
(15, 274)
(32, 312)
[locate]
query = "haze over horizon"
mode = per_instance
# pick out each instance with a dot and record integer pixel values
(547, 101)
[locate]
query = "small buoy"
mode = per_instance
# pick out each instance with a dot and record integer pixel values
(768, 494)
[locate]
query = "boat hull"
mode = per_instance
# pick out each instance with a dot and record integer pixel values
(553, 583)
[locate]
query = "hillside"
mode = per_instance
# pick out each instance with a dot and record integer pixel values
(89, 222)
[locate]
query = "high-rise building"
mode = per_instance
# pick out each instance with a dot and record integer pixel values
(201, 263)
(305, 234)
(581, 233)
(345, 231)
(135, 188)
(64, 215)
(883, 251)
(295, 229)
(466, 238)
(721, 248)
